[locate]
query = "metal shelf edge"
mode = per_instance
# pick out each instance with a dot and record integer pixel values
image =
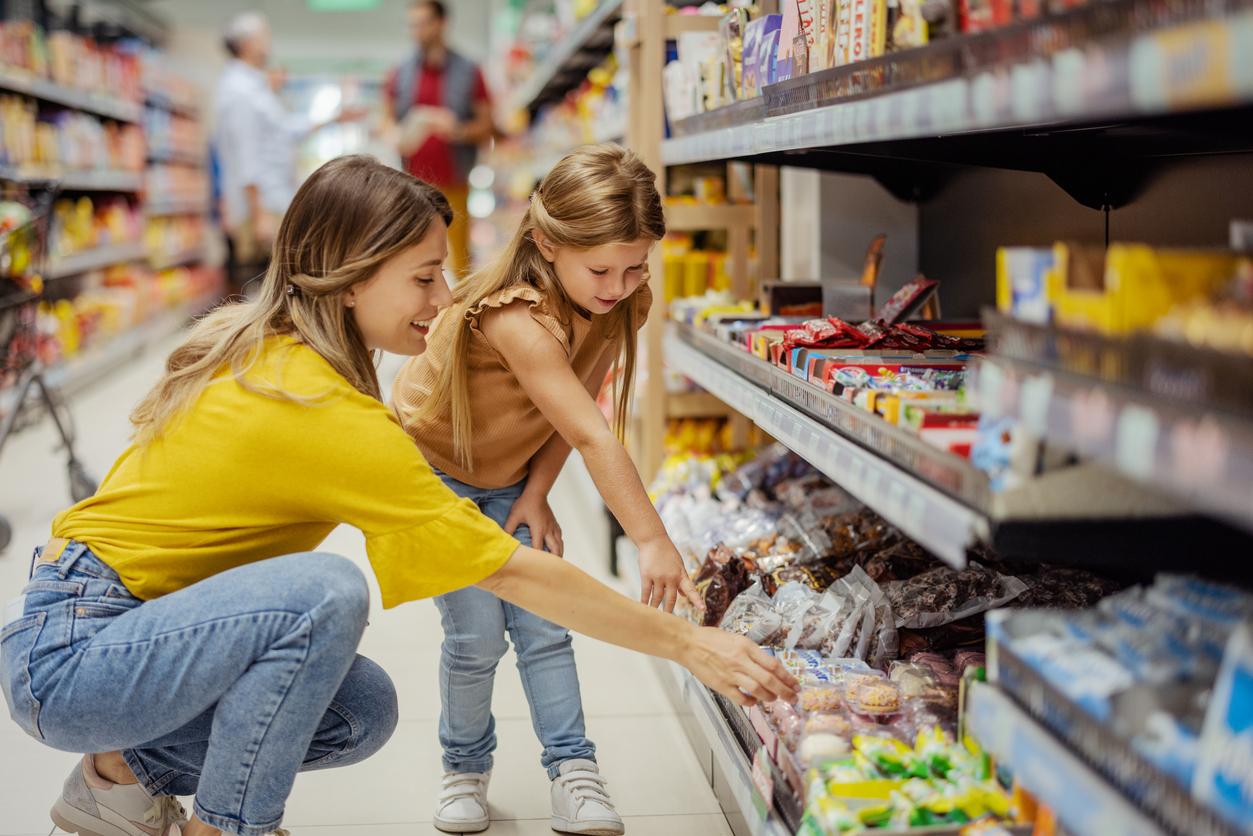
(968, 104)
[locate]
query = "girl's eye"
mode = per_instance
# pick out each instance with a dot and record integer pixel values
(596, 272)
(637, 268)
(423, 280)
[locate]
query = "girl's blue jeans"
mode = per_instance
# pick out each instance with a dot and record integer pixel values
(475, 624)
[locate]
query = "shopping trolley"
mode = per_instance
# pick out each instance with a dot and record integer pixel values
(24, 390)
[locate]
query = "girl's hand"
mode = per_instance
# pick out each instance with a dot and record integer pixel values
(663, 578)
(736, 668)
(533, 512)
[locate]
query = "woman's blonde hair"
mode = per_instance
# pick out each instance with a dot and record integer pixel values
(599, 194)
(348, 218)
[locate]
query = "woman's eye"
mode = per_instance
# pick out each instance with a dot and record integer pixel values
(424, 280)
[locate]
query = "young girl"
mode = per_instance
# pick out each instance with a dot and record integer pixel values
(507, 389)
(177, 627)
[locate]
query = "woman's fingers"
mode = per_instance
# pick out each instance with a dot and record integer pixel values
(768, 685)
(689, 591)
(672, 598)
(552, 542)
(646, 591)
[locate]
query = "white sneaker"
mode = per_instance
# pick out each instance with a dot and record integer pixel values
(91, 805)
(463, 803)
(581, 803)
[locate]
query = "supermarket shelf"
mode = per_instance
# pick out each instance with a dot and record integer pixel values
(1203, 457)
(187, 206)
(691, 217)
(1061, 104)
(567, 64)
(189, 256)
(76, 181)
(1123, 772)
(677, 25)
(1086, 803)
(936, 520)
(75, 374)
(173, 157)
(694, 405)
(20, 81)
(160, 101)
(96, 259)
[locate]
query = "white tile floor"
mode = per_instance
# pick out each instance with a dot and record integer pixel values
(655, 778)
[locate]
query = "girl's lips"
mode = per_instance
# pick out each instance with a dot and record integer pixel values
(608, 303)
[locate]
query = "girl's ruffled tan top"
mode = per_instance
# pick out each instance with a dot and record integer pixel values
(508, 429)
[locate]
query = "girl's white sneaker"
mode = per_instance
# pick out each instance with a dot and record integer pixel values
(463, 803)
(581, 803)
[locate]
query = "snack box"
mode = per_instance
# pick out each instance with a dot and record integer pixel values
(848, 299)
(1027, 283)
(891, 405)
(907, 301)
(1129, 287)
(761, 724)
(823, 372)
(800, 361)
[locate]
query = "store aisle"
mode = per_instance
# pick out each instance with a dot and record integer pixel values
(654, 776)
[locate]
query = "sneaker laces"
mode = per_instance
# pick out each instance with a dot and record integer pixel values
(458, 786)
(165, 810)
(586, 785)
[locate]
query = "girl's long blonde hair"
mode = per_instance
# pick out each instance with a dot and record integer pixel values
(349, 217)
(599, 194)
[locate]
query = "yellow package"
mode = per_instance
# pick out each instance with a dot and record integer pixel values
(1138, 286)
(696, 273)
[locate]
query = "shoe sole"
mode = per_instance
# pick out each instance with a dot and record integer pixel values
(73, 820)
(592, 828)
(476, 826)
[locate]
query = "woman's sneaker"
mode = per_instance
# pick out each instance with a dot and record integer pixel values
(581, 803)
(94, 806)
(463, 803)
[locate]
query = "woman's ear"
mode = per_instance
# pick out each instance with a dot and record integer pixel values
(350, 299)
(546, 249)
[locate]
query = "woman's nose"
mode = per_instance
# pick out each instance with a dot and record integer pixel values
(443, 295)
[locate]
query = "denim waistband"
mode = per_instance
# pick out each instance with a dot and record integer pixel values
(76, 556)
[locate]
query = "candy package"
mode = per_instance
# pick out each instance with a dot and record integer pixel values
(753, 615)
(944, 594)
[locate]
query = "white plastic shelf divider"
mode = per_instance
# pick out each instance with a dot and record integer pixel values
(568, 47)
(1218, 73)
(95, 259)
(942, 524)
(1086, 803)
(19, 81)
(1203, 457)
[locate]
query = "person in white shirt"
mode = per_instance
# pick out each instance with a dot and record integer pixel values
(255, 140)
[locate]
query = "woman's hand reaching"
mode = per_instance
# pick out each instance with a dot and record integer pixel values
(736, 668)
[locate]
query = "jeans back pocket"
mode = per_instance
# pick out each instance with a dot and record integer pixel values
(16, 641)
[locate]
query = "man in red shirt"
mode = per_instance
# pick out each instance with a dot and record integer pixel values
(438, 108)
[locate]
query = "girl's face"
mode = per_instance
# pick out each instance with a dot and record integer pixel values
(599, 278)
(394, 309)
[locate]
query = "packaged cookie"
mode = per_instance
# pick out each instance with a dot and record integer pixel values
(820, 698)
(873, 696)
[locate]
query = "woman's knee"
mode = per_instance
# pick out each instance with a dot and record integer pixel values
(372, 702)
(336, 588)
